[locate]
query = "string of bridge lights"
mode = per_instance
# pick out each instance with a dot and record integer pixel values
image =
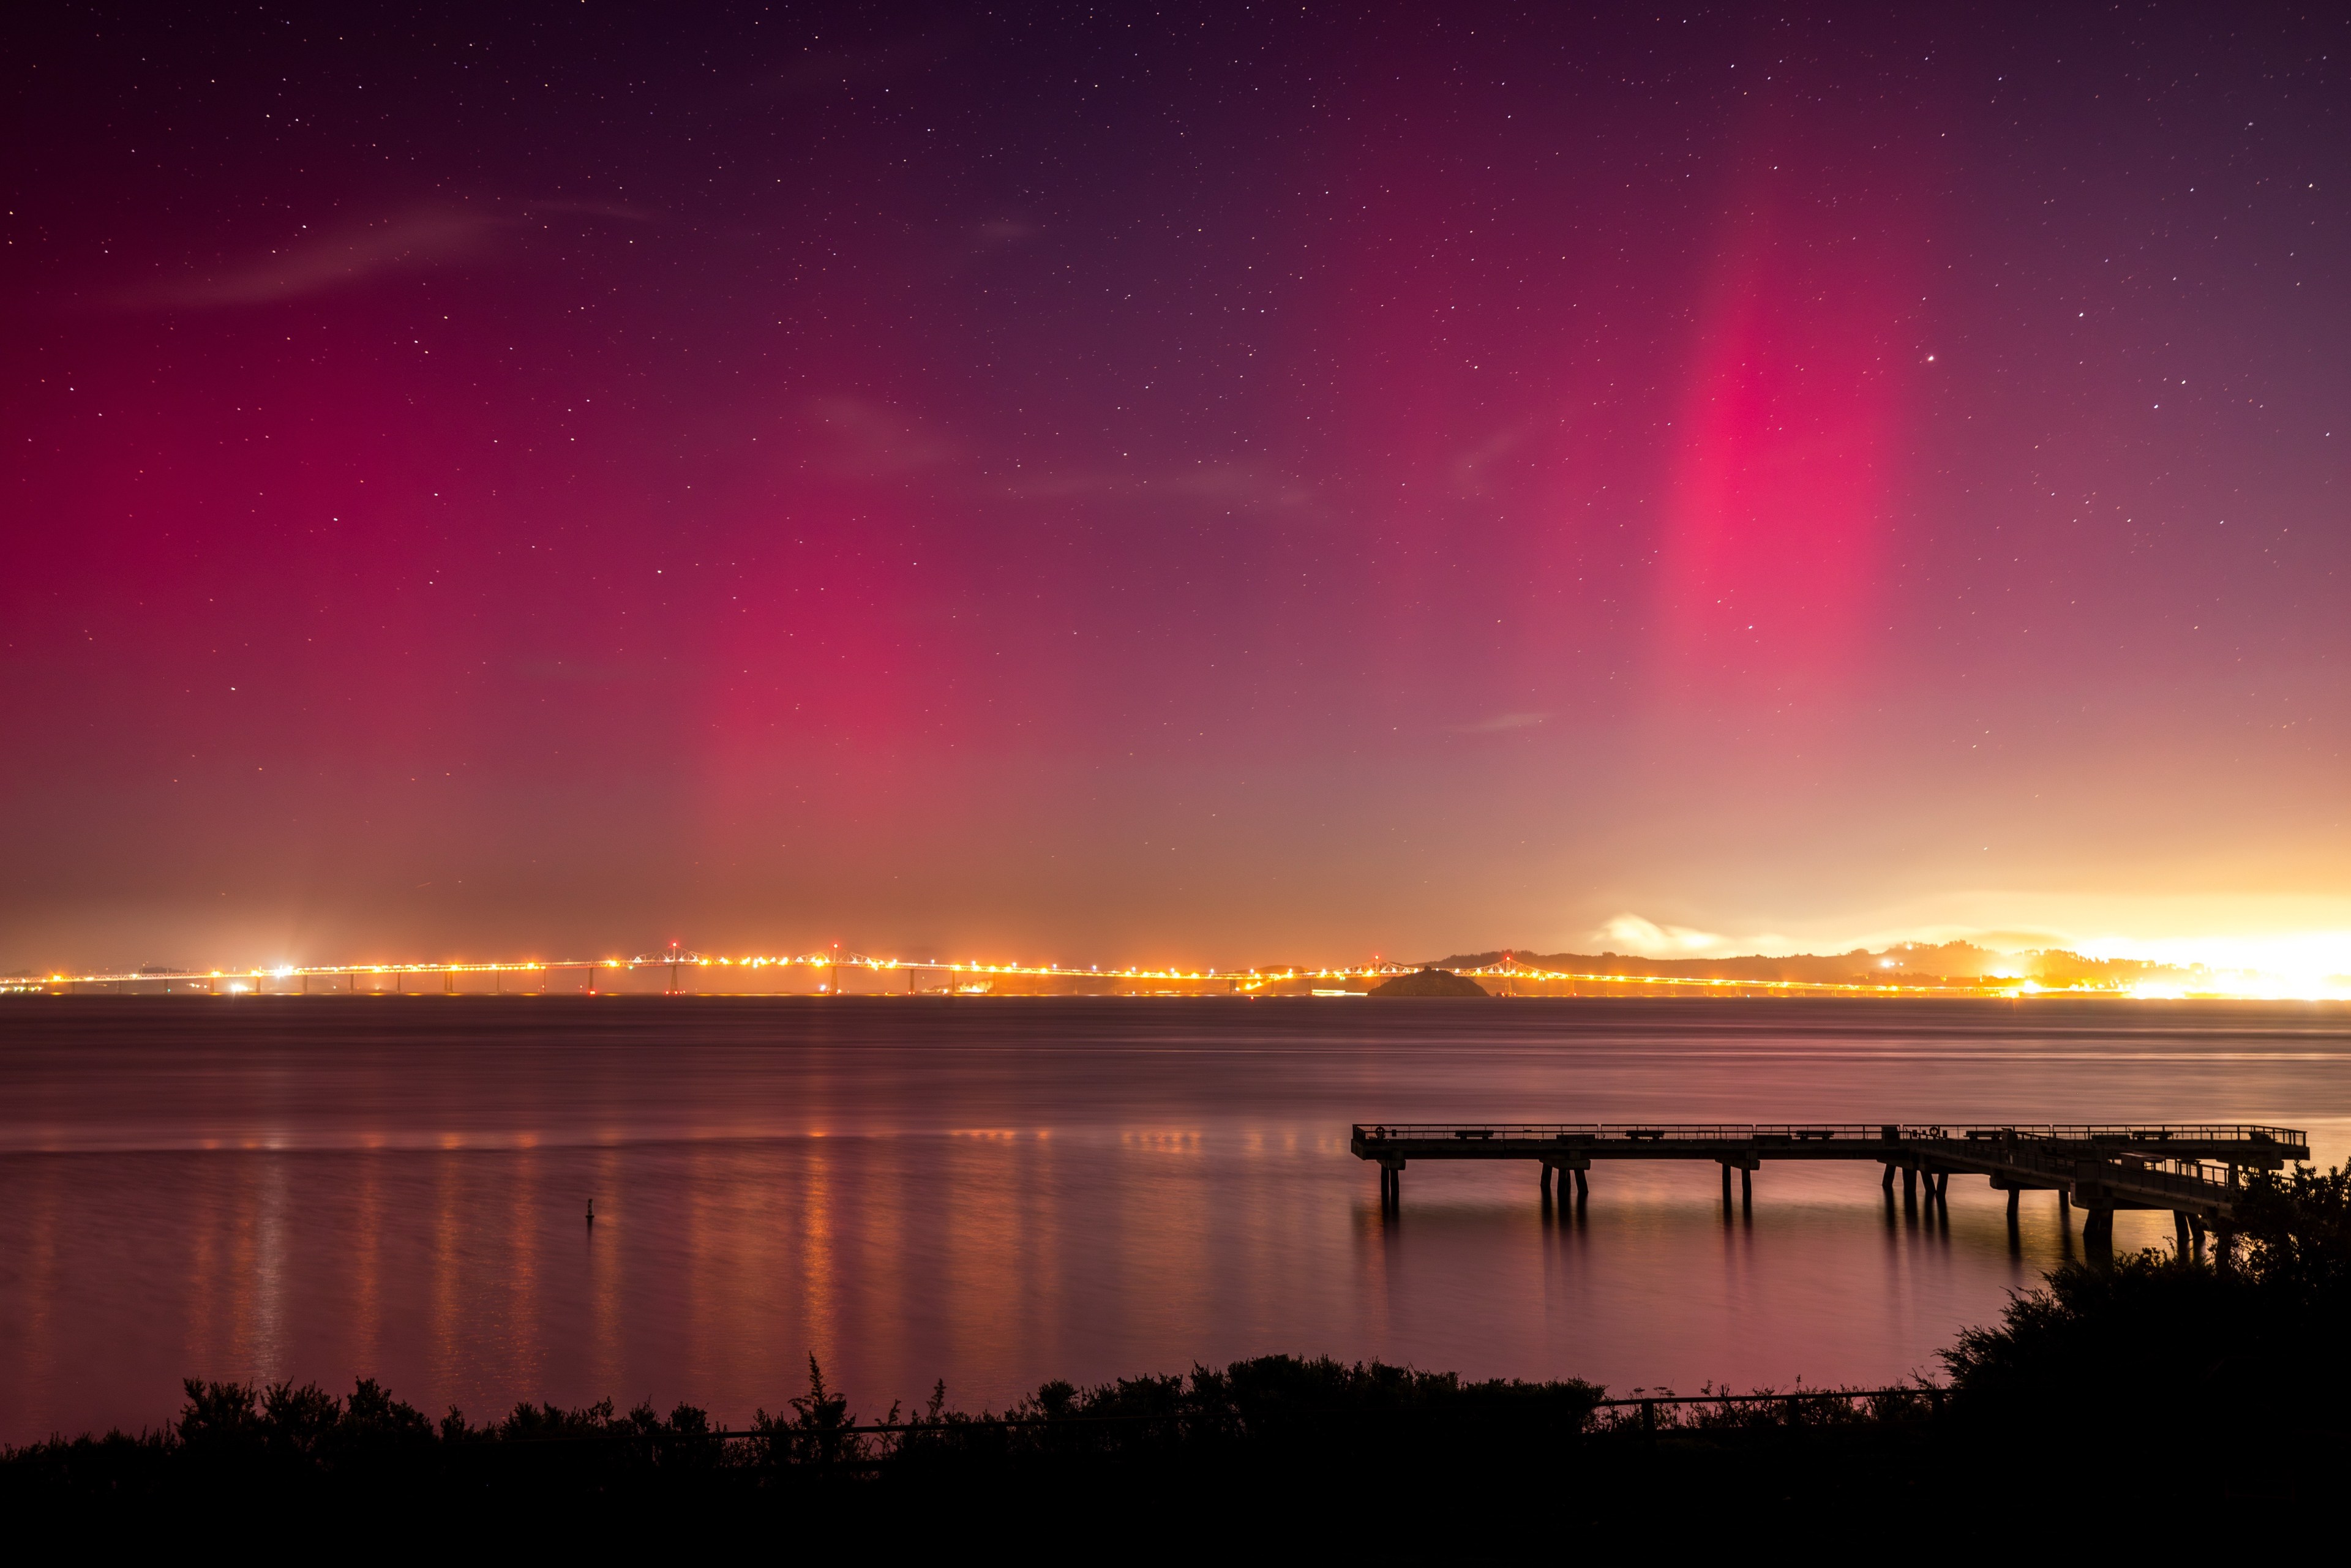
(1241, 980)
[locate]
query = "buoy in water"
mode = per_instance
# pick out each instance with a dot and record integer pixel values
(592, 1211)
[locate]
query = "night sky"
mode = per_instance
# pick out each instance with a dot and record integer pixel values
(1235, 484)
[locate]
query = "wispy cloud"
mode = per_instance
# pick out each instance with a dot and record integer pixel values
(877, 441)
(1502, 721)
(996, 233)
(353, 254)
(1233, 487)
(1635, 934)
(1476, 471)
(860, 437)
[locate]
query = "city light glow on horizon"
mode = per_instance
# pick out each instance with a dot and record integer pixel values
(2309, 968)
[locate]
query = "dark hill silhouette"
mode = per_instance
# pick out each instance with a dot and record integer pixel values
(1905, 963)
(1430, 982)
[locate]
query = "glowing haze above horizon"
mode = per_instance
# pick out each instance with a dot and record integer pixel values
(1223, 486)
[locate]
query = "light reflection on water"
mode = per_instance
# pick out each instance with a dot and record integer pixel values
(996, 1193)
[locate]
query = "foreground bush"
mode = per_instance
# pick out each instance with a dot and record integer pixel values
(2121, 1361)
(1278, 1436)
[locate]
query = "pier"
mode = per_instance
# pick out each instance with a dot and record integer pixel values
(2196, 1171)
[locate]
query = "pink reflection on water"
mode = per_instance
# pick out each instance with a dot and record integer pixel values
(1015, 1192)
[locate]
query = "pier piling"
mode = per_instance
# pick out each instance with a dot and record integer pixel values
(2098, 1235)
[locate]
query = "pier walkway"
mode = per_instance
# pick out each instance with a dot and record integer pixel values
(2194, 1171)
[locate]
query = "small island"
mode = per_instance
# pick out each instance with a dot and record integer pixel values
(1431, 981)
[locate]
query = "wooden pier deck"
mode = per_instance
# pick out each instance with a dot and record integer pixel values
(2194, 1171)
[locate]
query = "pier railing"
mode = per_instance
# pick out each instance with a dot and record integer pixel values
(2117, 1133)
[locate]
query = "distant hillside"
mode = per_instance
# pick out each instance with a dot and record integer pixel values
(1907, 963)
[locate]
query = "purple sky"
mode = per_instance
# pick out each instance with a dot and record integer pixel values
(1237, 484)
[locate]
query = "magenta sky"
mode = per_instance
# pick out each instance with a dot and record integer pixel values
(1225, 484)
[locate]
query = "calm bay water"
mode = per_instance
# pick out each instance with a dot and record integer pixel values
(996, 1192)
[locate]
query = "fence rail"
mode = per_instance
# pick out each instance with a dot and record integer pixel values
(788, 1436)
(2135, 1134)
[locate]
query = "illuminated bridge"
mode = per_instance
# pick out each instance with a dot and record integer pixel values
(2196, 1171)
(677, 972)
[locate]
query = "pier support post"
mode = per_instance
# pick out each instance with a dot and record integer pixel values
(2064, 1209)
(1887, 1181)
(2179, 1232)
(2013, 1194)
(1746, 1190)
(1726, 1184)
(1910, 1186)
(1582, 1187)
(1542, 1177)
(1943, 1187)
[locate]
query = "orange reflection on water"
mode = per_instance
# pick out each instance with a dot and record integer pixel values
(994, 1215)
(366, 1304)
(605, 1285)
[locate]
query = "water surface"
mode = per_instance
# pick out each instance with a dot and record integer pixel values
(999, 1191)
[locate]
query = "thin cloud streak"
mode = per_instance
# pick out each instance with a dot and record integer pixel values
(1502, 722)
(356, 254)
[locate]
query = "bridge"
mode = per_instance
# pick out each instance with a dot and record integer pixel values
(676, 972)
(2194, 1171)
(679, 972)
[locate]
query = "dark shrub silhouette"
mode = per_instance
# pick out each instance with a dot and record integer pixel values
(2156, 1343)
